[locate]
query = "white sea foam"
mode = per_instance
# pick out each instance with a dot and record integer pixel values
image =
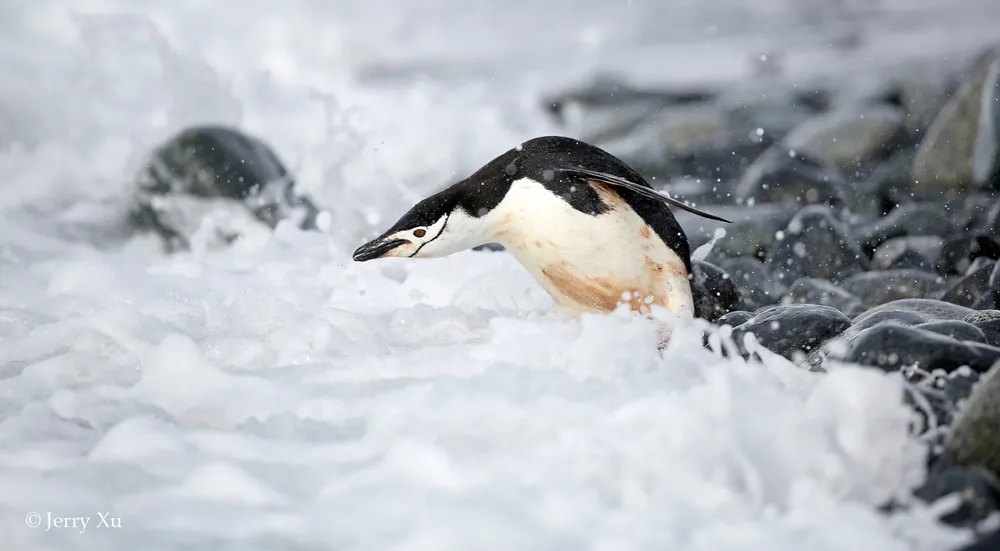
(276, 395)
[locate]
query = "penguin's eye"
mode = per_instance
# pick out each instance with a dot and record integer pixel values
(419, 232)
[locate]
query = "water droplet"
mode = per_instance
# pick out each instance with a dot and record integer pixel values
(548, 174)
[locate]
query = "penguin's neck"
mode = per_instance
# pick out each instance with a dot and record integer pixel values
(590, 263)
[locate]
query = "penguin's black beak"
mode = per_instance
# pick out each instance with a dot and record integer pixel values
(377, 248)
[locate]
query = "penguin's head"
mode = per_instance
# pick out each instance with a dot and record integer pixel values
(438, 226)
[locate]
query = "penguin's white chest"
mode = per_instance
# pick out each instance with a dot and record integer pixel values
(591, 263)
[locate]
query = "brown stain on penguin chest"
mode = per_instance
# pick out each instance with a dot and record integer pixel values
(598, 292)
(592, 263)
(653, 265)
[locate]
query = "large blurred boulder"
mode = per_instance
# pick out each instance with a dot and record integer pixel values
(218, 176)
(961, 150)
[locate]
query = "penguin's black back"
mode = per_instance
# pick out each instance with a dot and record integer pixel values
(546, 160)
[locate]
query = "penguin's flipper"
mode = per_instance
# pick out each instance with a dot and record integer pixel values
(641, 190)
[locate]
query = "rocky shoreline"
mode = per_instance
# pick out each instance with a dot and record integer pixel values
(866, 229)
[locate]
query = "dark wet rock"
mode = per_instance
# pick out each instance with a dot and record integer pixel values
(791, 178)
(900, 317)
(958, 253)
(916, 252)
(991, 220)
(836, 348)
(854, 310)
(977, 488)
(913, 219)
(202, 165)
(697, 191)
(967, 290)
(986, 151)
(749, 238)
(734, 319)
(752, 229)
(928, 309)
(700, 140)
(794, 328)
(885, 187)
(982, 316)
(808, 290)
(754, 281)
(874, 288)
(891, 347)
(991, 329)
(989, 301)
(713, 291)
(912, 260)
(956, 329)
(959, 151)
(988, 321)
(976, 212)
(989, 542)
(851, 136)
(815, 244)
(973, 439)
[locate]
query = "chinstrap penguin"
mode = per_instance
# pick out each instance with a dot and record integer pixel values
(589, 229)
